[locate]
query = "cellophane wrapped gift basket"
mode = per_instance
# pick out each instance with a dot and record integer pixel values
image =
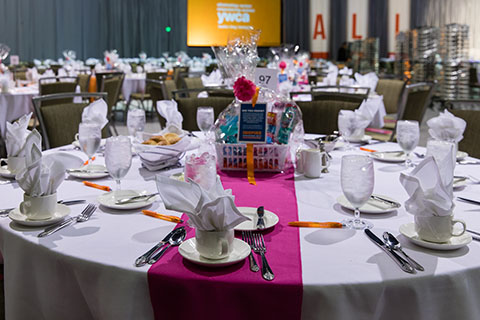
(284, 118)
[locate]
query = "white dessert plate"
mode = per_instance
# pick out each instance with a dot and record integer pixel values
(461, 155)
(389, 156)
(408, 230)
(108, 199)
(4, 172)
(270, 219)
(240, 251)
(90, 175)
(372, 206)
(60, 213)
(365, 138)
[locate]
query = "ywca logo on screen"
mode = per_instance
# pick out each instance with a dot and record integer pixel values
(233, 13)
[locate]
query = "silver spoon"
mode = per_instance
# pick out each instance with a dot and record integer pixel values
(394, 244)
(176, 239)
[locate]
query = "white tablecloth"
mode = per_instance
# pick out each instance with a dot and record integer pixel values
(15, 104)
(133, 83)
(86, 271)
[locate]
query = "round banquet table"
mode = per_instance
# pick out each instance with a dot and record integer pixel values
(86, 271)
(133, 83)
(15, 104)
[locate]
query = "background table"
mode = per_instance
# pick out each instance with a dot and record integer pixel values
(86, 271)
(15, 104)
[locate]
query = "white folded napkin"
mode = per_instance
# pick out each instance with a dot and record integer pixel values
(446, 127)
(345, 80)
(96, 112)
(159, 158)
(356, 120)
(41, 176)
(346, 71)
(16, 135)
(331, 78)
(169, 110)
(369, 80)
(371, 108)
(213, 79)
(429, 196)
(98, 67)
(4, 82)
(62, 73)
(212, 210)
(32, 74)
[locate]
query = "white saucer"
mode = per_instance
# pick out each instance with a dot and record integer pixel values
(87, 175)
(108, 199)
(408, 230)
(61, 212)
(372, 206)
(457, 183)
(4, 172)
(461, 155)
(365, 138)
(389, 156)
(240, 251)
(270, 219)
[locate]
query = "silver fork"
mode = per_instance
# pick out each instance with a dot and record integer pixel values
(259, 247)
(247, 237)
(82, 217)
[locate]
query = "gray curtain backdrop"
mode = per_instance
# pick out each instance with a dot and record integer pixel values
(338, 26)
(378, 23)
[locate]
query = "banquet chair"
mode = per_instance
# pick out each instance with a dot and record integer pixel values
(112, 85)
(156, 93)
(168, 87)
(468, 110)
(193, 83)
(83, 82)
(100, 76)
(332, 96)
(391, 90)
(321, 116)
(55, 68)
(142, 96)
(51, 85)
(188, 109)
(211, 92)
(210, 68)
(177, 75)
(59, 121)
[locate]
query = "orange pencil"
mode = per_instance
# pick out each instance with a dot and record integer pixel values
(307, 224)
(369, 150)
(162, 216)
(97, 186)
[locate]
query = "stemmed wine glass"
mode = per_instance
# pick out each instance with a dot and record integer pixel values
(408, 134)
(205, 118)
(345, 130)
(136, 122)
(357, 180)
(89, 138)
(118, 157)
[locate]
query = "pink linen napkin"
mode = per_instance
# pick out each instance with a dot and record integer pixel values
(181, 290)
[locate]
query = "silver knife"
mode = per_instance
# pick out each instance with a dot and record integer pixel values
(86, 171)
(389, 202)
(260, 222)
(143, 259)
(402, 263)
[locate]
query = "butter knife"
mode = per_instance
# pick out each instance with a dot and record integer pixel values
(260, 222)
(402, 263)
(391, 203)
(143, 259)
(86, 171)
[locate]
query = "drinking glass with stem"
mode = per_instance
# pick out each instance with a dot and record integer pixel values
(205, 119)
(136, 122)
(118, 157)
(89, 138)
(345, 130)
(408, 134)
(357, 180)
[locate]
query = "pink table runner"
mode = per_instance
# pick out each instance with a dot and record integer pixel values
(180, 289)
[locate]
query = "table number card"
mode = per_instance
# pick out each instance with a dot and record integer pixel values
(267, 78)
(252, 123)
(14, 60)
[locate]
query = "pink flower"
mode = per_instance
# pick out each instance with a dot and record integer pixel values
(282, 65)
(244, 89)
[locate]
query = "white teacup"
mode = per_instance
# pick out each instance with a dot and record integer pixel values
(15, 164)
(39, 208)
(214, 244)
(311, 162)
(437, 228)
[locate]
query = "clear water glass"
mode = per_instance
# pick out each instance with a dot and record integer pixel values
(408, 134)
(205, 119)
(201, 169)
(89, 138)
(118, 157)
(357, 180)
(136, 122)
(345, 129)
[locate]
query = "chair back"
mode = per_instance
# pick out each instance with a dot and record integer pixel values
(415, 101)
(177, 77)
(112, 85)
(193, 83)
(334, 95)
(59, 121)
(188, 109)
(52, 85)
(471, 137)
(83, 82)
(100, 76)
(168, 87)
(321, 116)
(391, 90)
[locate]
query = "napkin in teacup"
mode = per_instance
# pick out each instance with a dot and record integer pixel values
(212, 210)
(371, 109)
(169, 110)
(428, 194)
(446, 127)
(356, 120)
(42, 175)
(213, 79)
(96, 112)
(331, 78)
(16, 135)
(369, 80)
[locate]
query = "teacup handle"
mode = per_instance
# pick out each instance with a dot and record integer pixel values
(76, 136)
(24, 205)
(3, 160)
(464, 227)
(224, 247)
